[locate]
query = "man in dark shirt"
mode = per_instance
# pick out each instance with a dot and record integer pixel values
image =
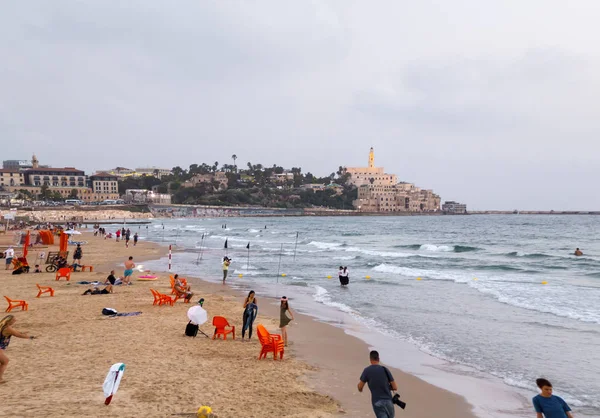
(111, 279)
(381, 383)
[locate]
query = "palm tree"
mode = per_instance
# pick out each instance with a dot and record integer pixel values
(215, 166)
(234, 157)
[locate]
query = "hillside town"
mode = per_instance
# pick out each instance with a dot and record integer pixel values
(366, 189)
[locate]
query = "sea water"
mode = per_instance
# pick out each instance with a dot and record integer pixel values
(502, 295)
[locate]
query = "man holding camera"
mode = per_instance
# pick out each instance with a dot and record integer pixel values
(381, 384)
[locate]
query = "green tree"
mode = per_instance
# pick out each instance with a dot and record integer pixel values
(45, 192)
(234, 157)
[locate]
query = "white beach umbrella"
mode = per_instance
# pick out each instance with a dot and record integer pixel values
(72, 232)
(112, 381)
(197, 315)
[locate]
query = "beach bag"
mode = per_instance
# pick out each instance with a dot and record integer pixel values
(191, 330)
(109, 311)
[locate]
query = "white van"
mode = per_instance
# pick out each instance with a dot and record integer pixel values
(73, 202)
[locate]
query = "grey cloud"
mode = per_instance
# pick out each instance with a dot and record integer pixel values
(472, 99)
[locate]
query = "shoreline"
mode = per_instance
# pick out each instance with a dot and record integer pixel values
(338, 359)
(420, 376)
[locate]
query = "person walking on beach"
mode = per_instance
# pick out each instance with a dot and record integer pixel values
(127, 239)
(118, 234)
(381, 383)
(548, 405)
(284, 320)
(135, 239)
(9, 254)
(250, 312)
(129, 266)
(77, 255)
(226, 263)
(7, 331)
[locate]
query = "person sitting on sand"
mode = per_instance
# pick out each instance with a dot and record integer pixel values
(112, 280)
(578, 252)
(7, 331)
(37, 269)
(97, 291)
(182, 289)
(548, 405)
(284, 320)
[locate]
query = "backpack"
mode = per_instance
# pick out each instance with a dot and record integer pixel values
(109, 311)
(191, 330)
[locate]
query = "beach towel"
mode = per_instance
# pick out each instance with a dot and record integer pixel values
(113, 312)
(112, 381)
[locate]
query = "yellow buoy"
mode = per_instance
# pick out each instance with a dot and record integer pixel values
(283, 274)
(418, 278)
(329, 277)
(475, 278)
(544, 282)
(367, 277)
(240, 275)
(204, 411)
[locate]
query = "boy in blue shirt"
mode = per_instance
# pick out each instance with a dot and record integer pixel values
(547, 405)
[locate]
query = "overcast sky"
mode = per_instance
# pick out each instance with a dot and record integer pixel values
(492, 103)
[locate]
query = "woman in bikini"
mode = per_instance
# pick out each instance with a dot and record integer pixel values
(6, 332)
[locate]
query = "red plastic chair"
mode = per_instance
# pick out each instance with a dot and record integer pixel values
(160, 299)
(44, 289)
(63, 272)
(271, 343)
(15, 304)
(220, 323)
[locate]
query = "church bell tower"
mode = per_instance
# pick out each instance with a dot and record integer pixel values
(371, 158)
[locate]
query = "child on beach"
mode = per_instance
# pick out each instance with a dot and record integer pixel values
(284, 320)
(77, 255)
(547, 405)
(7, 331)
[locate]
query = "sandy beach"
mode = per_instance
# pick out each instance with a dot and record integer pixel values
(61, 372)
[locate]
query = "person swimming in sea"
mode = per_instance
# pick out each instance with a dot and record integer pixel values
(578, 252)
